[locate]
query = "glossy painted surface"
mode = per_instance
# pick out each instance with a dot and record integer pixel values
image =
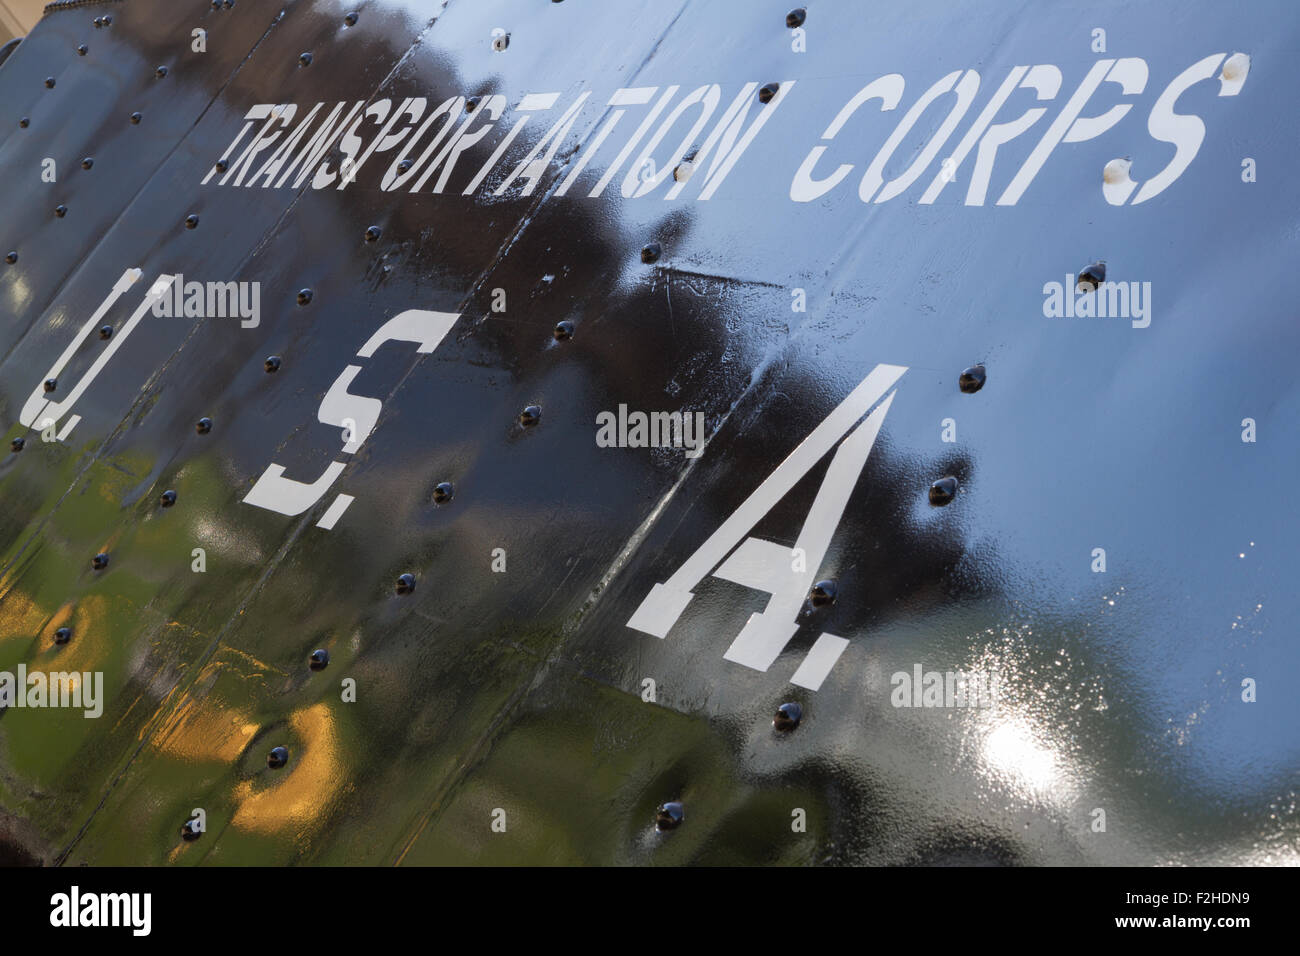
(523, 690)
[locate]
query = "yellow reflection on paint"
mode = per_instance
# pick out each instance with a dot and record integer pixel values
(202, 731)
(302, 791)
(20, 616)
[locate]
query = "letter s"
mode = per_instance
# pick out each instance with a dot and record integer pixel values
(1187, 131)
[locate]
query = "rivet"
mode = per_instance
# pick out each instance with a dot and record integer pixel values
(191, 831)
(277, 758)
(51, 384)
(443, 493)
(168, 498)
(822, 594)
(563, 331)
(500, 42)
(530, 416)
(767, 92)
(105, 332)
(373, 233)
(472, 103)
(108, 21)
(222, 165)
(669, 816)
(796, 17)
(1091, 277)
(99, 22)
(160, 72)
(135, 119)
(60, 210)
(351, 19)
(651, 252)
(11, 257)
(17, 445)
(943, 491)
(216, 4)
(87, 162)
(49, 82)
(971, 379)
(304, 59)
(24, 122)
(683, 170)
(272, 363)
(62, 636)
(406, 584)
(230, 4)
(99, 562)
(405, 165)
(203, 426)
(83, 50)
(787, 716)
(304, 296)
(191, 221)
(320, 659)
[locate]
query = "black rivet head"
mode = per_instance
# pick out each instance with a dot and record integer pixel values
(229, 4)
(108, 21)
(471, 104)
(563, 331)
(304, 59)
(222, 165)
(203, 426)
(304, 296)
(100, 561)
(767, 92)
(160, 72)
(191, 830)
(99, 22)
(83, 50)
(943, 491)
(351, 19)
(796, 17)
(11, 257)
(530, 416)
(272, 363)
(822, 594)
(168, 498)
(49, 82)
(87, 162)
(51, 384)
(373, 233)
(972, 379)
(405, 165)
(24, 122)
(105, 332)
(669, 816)
(17, 445)
(191, 221)
(1092, 276)
(787, 717)
(650, 252)
(62, 636)
(215, 4)
(320, 659)
(277, 758)
(406, 584)
(135, 118)
(443, 493)
(60, 210)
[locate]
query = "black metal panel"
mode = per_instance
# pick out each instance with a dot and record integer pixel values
(523, 689)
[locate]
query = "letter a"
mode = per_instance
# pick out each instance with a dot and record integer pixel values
(766, 566)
